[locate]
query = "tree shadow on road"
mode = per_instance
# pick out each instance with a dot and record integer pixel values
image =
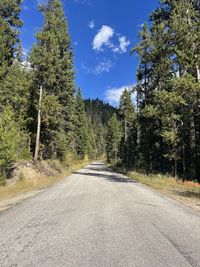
(102, 169)
(111, 178)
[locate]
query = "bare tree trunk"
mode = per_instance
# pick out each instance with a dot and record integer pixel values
(37, 144)
(198, 72)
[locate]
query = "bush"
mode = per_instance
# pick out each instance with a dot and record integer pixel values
(9, 140)
(2, 180)
(56, 165)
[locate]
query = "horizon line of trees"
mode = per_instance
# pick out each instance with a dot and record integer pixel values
(42, 115)
(160, 132)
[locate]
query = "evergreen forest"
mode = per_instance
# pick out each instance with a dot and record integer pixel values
(42, 115)
(155, 129)
(159, 132)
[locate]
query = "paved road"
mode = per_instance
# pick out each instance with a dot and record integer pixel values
(99, 218)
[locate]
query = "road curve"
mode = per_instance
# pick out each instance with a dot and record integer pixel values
(98, 218)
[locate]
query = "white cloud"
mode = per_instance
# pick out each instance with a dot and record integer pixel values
(122, 46)
(109, 38)
(123, 43)
(103, 37)
(91, 25)
(26, 65)
(112, 95)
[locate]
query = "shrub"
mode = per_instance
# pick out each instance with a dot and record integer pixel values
(9, 140)
(56, 165)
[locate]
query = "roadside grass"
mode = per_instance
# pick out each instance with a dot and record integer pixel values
(40, 181)
(168, 184)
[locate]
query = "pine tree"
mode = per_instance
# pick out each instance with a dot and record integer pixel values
(113, 138)
(145, 90)
(81, 127)
(15, 82)
(168, 89)
(9, 142)
(9, 21)
(185, 26)
(12, 76)
(98, 114)
(52, 61)
(15, 89)
(143, 50)
(129, 129)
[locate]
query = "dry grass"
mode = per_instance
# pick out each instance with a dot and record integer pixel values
(36, 181)
(168, 184)
(187, 193)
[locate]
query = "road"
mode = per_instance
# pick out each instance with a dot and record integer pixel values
(98, 218)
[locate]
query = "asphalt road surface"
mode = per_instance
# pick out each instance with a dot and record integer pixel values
(100, 218)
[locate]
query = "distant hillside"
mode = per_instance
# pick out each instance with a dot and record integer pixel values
(98, 114)
(99, 111)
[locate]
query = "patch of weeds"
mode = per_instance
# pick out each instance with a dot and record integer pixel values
(21, 177)
(56, 165)
(2, 180)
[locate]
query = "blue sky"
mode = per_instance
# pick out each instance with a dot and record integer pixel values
(103, 33)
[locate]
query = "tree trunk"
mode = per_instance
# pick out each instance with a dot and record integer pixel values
(125, 130)
(198, 72)
(197, 129)
(37, 144)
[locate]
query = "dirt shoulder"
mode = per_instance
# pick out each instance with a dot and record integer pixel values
(182, 197)
(187, 193)
(11, 202)
(28, 181)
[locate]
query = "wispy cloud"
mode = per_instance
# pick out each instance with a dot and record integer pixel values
(25, 52)
(87, 2)
(112, 95)
(26, 7)
(104, 66)
(123, 43)
(39, 2)
(91, 25)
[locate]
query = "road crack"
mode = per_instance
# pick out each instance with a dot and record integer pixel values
(185, 254)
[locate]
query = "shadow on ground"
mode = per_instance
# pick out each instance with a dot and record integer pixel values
(96, 169)
(111, 178)
(188, 194)
(102, 169)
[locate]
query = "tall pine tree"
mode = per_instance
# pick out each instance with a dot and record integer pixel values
(81, 144)
(52, 61)
(113, 138)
